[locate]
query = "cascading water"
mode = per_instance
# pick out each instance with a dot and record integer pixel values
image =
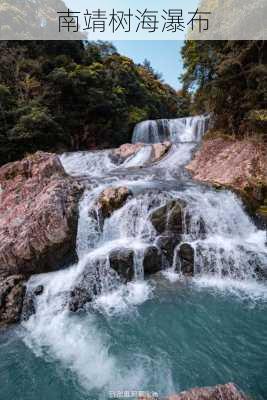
(174, 130)
(228, 251)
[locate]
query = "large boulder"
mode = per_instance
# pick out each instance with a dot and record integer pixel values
(38, 215)
(169, 218)
(152, 262)
(87, 285)
(159, 150)
(111, 199)
(79, 297)
(167, 244)
(29, 301)
(186, 259)
(219, 392)
(122, 261)
(125, 151)
(240, 165)
(12, 290)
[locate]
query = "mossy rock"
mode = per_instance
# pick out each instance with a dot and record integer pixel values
(262, 210)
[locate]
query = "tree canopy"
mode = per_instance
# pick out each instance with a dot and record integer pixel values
(74, 95)
(228, 79)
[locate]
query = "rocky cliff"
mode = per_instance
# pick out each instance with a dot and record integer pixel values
(38, 224)
(240, 165)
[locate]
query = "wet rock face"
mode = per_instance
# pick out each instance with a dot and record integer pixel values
(169, 218)
(12, 292)
(186, 257)
(219, 392)
(122, 261)
(240, 165)
(79, 297)
(29, 302)
(118, 268)
(167, 244)
(111, 199)
(38, 226)
(229, 163)
(159, 150)
(152, 262)
(125, 151)
(84, 291)
(38, 215)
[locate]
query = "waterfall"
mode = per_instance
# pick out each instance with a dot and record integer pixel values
(189, 129)
(225, 241)
(227, 247)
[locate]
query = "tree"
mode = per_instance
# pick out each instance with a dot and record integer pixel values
(147, 65)
(228, 79)
(74, 95)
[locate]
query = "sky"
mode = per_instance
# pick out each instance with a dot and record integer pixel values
(164, 56)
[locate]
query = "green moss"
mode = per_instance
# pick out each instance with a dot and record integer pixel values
(258, 115)
(262, 211)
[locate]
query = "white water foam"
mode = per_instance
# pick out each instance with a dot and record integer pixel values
(90, 163)
(248, 289)
(125, 299)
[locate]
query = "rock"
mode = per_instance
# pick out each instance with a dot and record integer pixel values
(90, 283)
(79, 297)
(122, 261)
(38, 215)
(240, 165)
(83, 293)
(29, 300)
(167, 245)
(159, 150)
(261, 272)
(39, 290)
(152, 262)
(111, 199)
(261, 217)
(125, 151)
(229, 162)
(186, 256)
(169, 218)
(28, 307)
(12, 292)
(219, 392)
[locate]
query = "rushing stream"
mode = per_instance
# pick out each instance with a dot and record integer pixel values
(165, 333)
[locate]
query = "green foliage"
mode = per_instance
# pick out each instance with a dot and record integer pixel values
(184, 103)
(228, 79)
(74, 96)
(136, 115)
(36, 123)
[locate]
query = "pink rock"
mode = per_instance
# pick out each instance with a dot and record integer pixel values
(112, 199)
(127, 150)
(12, 292)
(232, 163)
(160, 150)
(38, 215)
(219, 392)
